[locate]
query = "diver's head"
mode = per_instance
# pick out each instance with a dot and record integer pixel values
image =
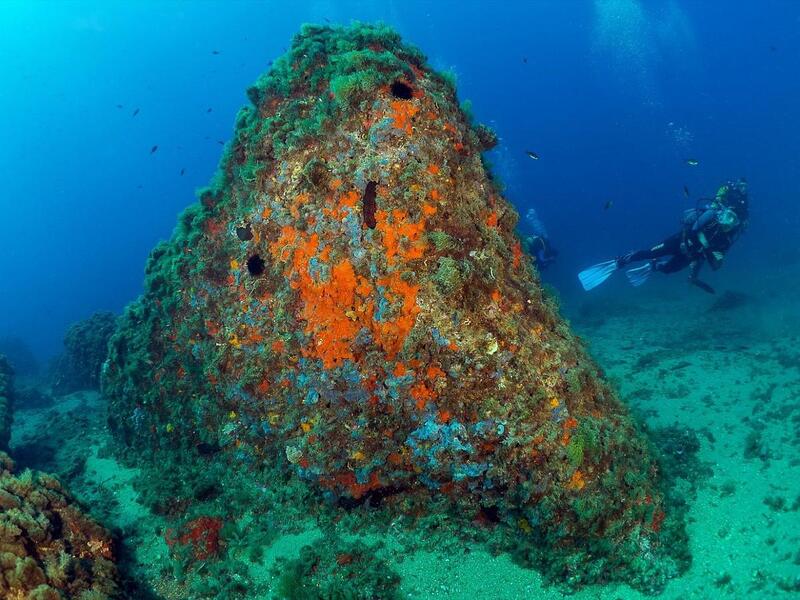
(733, 196)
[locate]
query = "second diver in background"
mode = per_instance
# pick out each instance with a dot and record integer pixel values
(707, 233)
(536, 240)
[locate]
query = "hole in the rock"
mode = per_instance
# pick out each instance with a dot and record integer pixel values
(255, 265)
(244, 233)
(368, 205)
(402, 90)
(490, 514)
(206, 449)
(207, 492)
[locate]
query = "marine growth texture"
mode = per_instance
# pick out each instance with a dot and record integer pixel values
(349, 303)
(50, 550)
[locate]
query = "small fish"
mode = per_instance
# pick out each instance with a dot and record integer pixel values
(153, 149)
(209, 110)
(220, 142)
(215, 52)
(608, 204)
(532, 154)
(692, 162)
(135, 112)
(686, 191)
(119, 105)
(182, 172)
(525, 59)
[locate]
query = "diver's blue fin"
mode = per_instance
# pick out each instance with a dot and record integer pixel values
(639, 275)
(594, 276)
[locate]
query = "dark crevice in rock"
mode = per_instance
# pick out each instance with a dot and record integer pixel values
(401, 90)
(255, 265)
(368, 205)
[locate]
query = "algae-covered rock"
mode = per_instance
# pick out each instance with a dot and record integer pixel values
(85, 350)
(6, 402)
(48, 548)
(332, 568)
(348, 304)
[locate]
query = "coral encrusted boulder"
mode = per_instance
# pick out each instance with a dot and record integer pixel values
(85, 350)
(349, 303)
(6, 402)
(49, 550)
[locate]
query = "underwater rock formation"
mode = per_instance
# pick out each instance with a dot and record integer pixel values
(6, 402)
(348, 303)
(85, 350)
(337, 569)
(49, 550)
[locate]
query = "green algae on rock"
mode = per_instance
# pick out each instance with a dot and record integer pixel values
(348, 305)
(333, 568)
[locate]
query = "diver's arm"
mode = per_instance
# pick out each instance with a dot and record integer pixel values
(704, 219)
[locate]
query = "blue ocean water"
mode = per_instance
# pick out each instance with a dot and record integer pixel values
(613, 95)
(113, 114)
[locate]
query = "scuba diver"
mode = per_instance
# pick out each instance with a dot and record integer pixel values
(706, 235)
(537, 242)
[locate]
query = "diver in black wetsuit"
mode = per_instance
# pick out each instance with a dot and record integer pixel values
(706, 235)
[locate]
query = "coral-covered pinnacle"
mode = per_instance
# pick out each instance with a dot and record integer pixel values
(349, 304)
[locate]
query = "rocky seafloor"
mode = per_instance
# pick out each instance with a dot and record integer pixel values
(725, 412)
